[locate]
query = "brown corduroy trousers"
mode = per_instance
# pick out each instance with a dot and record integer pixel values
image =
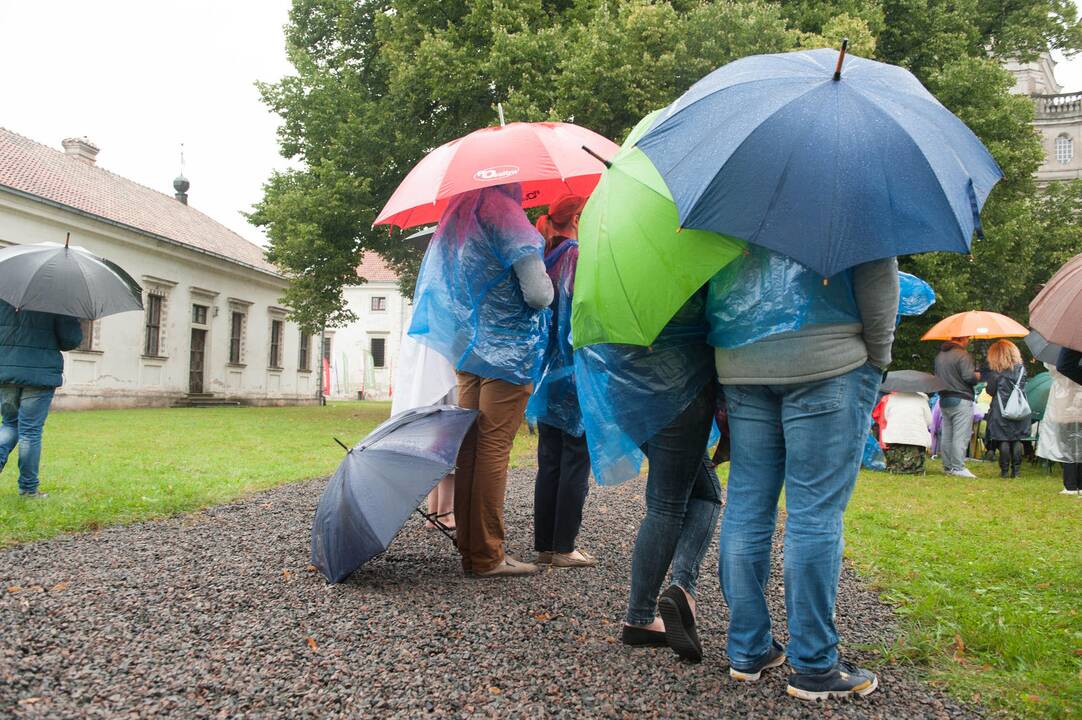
(481, 475)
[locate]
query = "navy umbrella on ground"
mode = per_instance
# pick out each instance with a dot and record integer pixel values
(67, 281)
(381, 482)
(832, 163)
(912, 381)
(1042, 349)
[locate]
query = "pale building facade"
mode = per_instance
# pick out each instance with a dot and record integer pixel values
(1058, 118)
(364, 354)
(212, 328)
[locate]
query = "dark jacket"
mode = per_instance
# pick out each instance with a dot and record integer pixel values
(1070, 364)
(1000, 386)
(30, 345)
(955, 367)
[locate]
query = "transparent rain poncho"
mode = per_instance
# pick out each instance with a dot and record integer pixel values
(1060, 433)
(628, 393)
(468, 305)
(915, 296)
(766, 293)
(555, 401)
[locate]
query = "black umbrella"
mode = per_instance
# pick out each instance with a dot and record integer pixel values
(912, 381)
(67, 281)
(421, 238)
(1042, 349)
(380, 484)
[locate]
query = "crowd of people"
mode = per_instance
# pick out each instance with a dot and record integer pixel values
(494, 300)
(906, 421)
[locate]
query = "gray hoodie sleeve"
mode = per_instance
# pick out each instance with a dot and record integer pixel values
(875, 285)
(534, 281)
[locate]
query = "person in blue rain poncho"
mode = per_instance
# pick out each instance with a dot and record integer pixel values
(660, 399)
(563, 462)
(801, 361)
(482, 302)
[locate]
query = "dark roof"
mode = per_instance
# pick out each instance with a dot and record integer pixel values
(40, 171)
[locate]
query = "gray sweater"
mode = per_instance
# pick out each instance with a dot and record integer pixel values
(818, 352)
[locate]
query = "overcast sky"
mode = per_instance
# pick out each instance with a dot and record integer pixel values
(140, 77)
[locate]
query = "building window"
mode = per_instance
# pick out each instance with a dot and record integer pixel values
(152, 346)
(303, 362)
(199, 314)
(379, 303)
(327, 348)
(236, 333)
(1064, 149)
(379, 352)
(276, 344)
(87, 326)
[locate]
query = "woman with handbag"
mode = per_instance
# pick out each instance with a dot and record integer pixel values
(1009, 418)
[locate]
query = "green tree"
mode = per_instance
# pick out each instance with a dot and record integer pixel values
(380, 83)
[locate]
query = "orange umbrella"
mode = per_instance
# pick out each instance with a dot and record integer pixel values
(976, 324)
(1056, 312)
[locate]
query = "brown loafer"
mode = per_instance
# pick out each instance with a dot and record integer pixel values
(508, 568)
(544, 558)
(568, 560)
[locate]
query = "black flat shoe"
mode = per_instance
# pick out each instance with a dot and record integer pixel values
(641, 637)
(680, 624)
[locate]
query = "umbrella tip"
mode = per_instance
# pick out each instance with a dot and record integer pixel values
(590, 152)
(841, 59)
(67, 240)
(499, 108)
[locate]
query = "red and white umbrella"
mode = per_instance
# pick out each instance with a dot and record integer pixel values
(547, 158)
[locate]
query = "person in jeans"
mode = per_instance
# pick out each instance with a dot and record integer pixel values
(482, 302)
(955, 367)
(799, 408)
(683, 494)
(563, 459)
(31, 368)
(1006, 373)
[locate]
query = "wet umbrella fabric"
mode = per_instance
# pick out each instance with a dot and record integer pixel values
(67, 281)
(1056, 310)
(975, 324)
(833, 173)
(1037, 389)
(636, 269)
(380, 483)
(546, 158)
(1042, 349)
(912, 381)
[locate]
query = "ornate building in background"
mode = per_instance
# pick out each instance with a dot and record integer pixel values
(1058, 118)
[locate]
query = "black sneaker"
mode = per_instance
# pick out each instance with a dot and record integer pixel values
(680, 624)
(774, 657)
(843, 680)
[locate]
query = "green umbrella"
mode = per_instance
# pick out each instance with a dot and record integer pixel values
(1037, 393)
(636, 267)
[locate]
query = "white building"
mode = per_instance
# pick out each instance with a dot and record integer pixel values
(212, 328)
(1058, 118)
(363, 355)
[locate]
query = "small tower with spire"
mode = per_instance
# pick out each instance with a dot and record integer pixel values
(180, 183)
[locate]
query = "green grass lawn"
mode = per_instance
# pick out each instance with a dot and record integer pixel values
(104, 467)
(987, 577)
(986, 574)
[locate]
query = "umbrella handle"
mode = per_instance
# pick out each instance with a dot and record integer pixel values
(841, 59)
(435, 520)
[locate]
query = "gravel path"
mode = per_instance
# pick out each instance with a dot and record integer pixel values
(218, 614)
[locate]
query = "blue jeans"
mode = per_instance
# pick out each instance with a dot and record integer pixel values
(808, 437)
(683, 501)
(24, 409)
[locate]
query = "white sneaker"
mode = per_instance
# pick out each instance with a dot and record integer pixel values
(964, 472)
(1065, 491)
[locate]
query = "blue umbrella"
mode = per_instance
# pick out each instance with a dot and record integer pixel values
(381, 482)
(832, 168)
